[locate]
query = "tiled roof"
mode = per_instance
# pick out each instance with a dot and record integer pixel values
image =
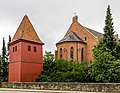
(71, 37)
(26, 32)
(95, 33)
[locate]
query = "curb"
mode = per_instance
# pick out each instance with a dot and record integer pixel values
(46, 91)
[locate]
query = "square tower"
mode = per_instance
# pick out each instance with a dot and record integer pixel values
(26, 54)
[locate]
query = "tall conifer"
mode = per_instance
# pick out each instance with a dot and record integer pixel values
(109, 39)
(9, 42)
(3, 49)
(4, 64)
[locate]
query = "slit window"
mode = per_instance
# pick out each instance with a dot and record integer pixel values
(35, 49)
(82, 54)
(15, 48)
(29, 48)
(85, 38)
(60, 53)
(72, 53)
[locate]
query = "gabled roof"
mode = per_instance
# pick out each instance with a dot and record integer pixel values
(26, 31)
(71, 37)
(95, 33)
(76, 25)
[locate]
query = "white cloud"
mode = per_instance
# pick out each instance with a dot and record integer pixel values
(52, 18)
(6, 28)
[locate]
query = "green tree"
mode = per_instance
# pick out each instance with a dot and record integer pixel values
(109, 42)
(106, 65)
(4, 64)
(109, 39)
(47, 67)
(3, 49)
(8, 43)
(62, 71)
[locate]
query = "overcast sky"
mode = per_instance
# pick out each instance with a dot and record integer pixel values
(52, 18)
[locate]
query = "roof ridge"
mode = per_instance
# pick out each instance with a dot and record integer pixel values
(93, 30)
(68, 38)
(78, 36)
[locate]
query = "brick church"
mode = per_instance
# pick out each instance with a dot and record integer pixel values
(77, 43)
(26, 54)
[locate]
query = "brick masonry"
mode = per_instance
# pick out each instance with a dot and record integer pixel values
(26, 54)
(85, 35)
(73, 86)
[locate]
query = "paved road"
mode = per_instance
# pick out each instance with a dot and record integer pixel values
(4, 90)
(18, 92)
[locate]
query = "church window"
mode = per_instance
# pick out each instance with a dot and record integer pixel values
(15, 48)
(82, 54)
(35, 49)
(29, 48)
(60, 53)
(72, 53)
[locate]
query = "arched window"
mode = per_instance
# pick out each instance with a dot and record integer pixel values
(60, 53)
(72, 53)
(82, 54)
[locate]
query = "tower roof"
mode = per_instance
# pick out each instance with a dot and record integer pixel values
(26, 31)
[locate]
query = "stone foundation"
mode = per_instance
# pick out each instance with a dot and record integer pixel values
(87, 87)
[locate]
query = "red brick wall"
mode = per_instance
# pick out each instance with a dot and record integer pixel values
(25, 65)
(30, 71)
(68, 45)
(14, 72)
(91, 40)
(82, 32)
(15, 65)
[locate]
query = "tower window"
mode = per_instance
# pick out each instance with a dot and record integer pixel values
(35, 49)
(72, 53)
(15, 48)
(29, 48)
(60, 53)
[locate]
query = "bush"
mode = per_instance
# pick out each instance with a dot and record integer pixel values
(62, 71)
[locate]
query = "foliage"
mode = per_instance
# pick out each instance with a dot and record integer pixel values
(9, 42)
(3, 48)
(62, 71)
(108, 42)
(48, 66)
(106, 65)
(4, 64)
(104, 68)
(109, 39)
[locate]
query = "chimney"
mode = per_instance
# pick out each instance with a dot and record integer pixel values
(75, 18)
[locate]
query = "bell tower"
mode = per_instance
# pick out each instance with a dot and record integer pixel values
(26, 54)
